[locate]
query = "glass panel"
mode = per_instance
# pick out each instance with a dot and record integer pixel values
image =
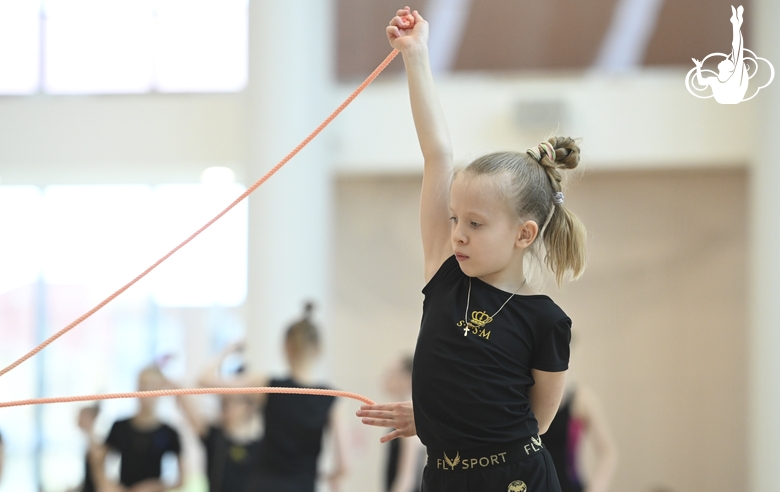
(98, 46)
(211, 270)
(96, 236)
(19, 46)
(66, 248)
(20, 226)
(201, 45)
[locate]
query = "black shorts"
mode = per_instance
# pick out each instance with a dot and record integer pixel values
(532, 473)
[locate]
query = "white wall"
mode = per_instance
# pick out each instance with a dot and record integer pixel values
(152, 138)
(627, 122)
(630, 121)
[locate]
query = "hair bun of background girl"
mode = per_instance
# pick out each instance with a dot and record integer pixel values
(308, 308)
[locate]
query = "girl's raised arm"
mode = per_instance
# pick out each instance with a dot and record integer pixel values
(408, 33)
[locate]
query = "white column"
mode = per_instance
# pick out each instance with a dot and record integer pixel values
(764, 356)
(288, 95)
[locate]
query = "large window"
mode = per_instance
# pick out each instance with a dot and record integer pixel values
(64, 249)
(122, 46)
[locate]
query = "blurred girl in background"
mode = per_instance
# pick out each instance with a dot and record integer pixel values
(406, 455)
(231, 442)
(141, 442)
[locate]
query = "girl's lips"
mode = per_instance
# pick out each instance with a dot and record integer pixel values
(461, 257)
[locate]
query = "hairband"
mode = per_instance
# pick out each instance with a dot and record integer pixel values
(548, 149)
(539, 151)
(558, 198)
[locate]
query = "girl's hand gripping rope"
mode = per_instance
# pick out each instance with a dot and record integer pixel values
(407, 30)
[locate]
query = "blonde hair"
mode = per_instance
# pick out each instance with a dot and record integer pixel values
(531, 191)
(303, 336)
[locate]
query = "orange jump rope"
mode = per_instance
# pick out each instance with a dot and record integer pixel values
(200, 391)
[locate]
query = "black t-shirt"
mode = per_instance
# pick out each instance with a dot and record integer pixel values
(472, 390)
(294, 425)
(141, 450)
(229, 464)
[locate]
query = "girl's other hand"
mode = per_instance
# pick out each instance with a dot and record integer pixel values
(407, 29)
(398, 416)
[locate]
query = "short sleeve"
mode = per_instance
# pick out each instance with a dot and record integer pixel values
(552, 353)
(448, 272)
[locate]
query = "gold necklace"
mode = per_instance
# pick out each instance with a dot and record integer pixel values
(480, 318)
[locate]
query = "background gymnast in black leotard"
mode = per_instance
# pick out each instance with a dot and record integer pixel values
(294, 425)
(232, 441)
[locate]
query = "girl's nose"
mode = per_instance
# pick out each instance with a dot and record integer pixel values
(457, 234)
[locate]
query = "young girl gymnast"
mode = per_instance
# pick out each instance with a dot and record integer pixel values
(232, 441)
(491, 355)
(287, 458)
(141, 442)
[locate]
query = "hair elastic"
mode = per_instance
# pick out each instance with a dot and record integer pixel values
(558, 198)
(548, 149)
(540, 150)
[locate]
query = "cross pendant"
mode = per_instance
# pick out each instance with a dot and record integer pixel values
(466, 330)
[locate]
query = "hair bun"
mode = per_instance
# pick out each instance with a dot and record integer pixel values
(567, 152)
(308, 308)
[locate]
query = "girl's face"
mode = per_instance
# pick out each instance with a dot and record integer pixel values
(237, 409)
(485, 233)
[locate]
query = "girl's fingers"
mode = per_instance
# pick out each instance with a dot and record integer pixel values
(378, 422)
(389, 437)
(382, 406)
(375, 414)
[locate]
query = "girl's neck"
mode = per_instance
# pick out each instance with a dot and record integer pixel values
(145, 419)
(301, 372)
(243, 432)
(509, 279)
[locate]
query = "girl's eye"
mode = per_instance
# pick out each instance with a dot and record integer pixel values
(475, 224)
(454, 219)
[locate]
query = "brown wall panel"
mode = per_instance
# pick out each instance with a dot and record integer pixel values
(361, 41)
(505, 35)
(694, 29)
(539, 34)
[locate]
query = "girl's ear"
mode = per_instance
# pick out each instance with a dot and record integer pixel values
(526, 234)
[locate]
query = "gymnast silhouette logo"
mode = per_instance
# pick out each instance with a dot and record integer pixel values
(730, 84)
